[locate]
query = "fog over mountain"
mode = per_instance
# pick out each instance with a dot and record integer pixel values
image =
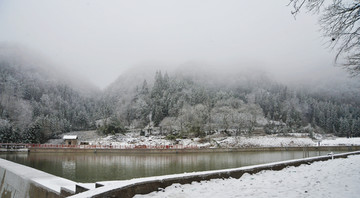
(188, 67)
(29, 61)
(100, 40)
(39, 102)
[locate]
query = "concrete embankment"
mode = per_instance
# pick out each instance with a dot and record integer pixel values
(18, 181)
(129, 188)
(200, 150)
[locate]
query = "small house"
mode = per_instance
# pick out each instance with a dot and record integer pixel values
(70, 139)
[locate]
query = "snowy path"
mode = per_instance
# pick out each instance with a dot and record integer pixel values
(332, 178)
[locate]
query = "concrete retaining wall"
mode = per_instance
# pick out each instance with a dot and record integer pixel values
(204, 150)
(18, 181)
(129, 188)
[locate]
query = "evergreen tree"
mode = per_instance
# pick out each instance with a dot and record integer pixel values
(344, 129)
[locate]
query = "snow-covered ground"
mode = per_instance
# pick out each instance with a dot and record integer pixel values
(341, 141)
(214, 141)
(332, 178)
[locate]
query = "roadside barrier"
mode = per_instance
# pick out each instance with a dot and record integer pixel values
(13, 145)
(130, 146)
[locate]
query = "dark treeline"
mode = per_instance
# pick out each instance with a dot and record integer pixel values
(35, 107)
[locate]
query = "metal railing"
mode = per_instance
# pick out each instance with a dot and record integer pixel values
(112, 146)
(13, 146)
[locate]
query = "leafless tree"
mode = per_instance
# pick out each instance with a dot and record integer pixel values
(340, 22)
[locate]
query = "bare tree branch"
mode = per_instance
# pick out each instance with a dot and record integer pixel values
(339, 21)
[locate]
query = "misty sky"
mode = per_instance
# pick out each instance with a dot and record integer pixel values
(102, 39)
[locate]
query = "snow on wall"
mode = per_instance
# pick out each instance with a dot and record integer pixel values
(331, 179)
(18, 181)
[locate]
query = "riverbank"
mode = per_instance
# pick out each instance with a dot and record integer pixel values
(127, 188)
(56, 149)
(332, 178)
(219, 141)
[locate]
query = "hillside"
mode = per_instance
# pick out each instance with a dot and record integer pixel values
(199, 102)
(38, 101)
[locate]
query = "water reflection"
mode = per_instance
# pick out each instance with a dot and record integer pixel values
(92, 167)
(68, 168)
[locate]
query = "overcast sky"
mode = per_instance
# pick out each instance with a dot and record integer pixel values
(100, 39)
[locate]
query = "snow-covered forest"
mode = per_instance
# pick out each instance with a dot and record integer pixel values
(199, 105)
(37, 104)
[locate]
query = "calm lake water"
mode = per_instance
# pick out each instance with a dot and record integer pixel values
(93, 167)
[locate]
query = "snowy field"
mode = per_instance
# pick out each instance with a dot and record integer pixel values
(332, 178)
(214, 141)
